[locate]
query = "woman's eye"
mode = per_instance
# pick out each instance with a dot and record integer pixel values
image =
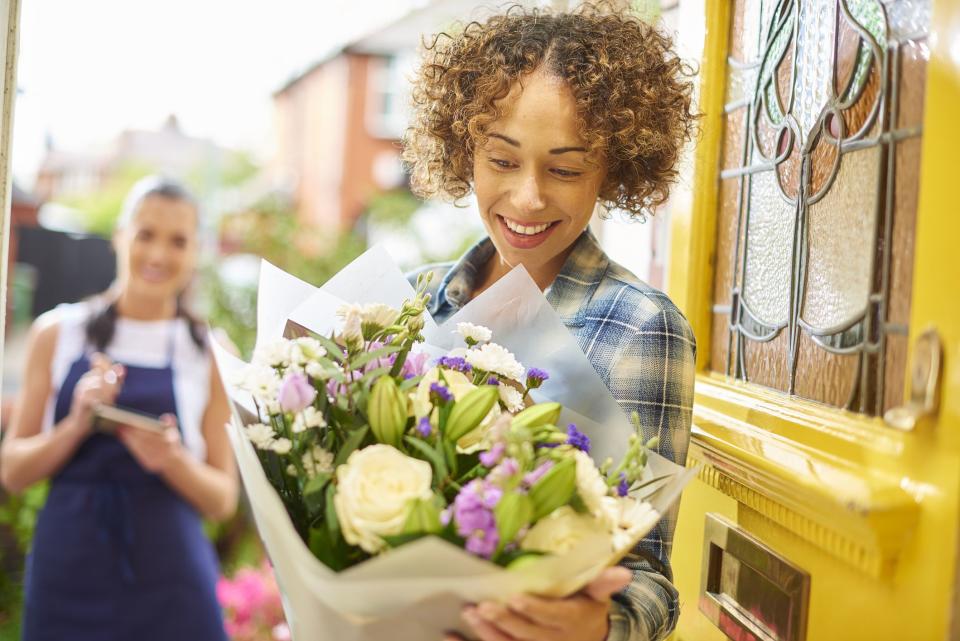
(145, 235)
(566, 173)
(502, 164)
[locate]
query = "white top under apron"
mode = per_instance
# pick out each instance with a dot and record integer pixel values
(143, 344)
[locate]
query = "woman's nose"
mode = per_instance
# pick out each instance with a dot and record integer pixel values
(528, 197)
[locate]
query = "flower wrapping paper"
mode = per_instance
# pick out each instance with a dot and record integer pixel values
(415, 592)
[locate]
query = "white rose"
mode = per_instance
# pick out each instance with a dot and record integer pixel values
(497, 359)
(477, 333)
(374, 490)
(590, 484)
(560, 531)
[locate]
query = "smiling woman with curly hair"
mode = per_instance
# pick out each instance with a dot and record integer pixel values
(544, 116)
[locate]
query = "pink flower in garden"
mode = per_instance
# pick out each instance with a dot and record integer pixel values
(295, 393)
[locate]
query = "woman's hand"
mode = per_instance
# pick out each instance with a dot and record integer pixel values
(100, 384)
(581, 617)
(155, 451)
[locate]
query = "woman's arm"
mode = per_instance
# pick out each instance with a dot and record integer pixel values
(27, 454)
(210, 486)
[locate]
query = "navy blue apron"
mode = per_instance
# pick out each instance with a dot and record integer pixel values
(117, 555)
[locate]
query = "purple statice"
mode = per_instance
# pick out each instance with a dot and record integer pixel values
(492, 456)
(577, 438)
(493, 380)
(439, 394)
(415, 365)
(423, 427)
(474, 519)
(623, 487)
(455, 363)
(536, 377)
(530, 478)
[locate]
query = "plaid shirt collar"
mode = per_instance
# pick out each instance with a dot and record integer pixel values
(569, 294)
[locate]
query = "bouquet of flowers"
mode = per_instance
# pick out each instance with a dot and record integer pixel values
(397, 469)
(372, 445)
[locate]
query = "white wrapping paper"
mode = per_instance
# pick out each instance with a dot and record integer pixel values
(415, 593)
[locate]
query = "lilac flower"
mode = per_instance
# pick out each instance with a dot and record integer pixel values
(531, 478)
(536, 377)
(423, 427)
(455, 363)
(507, 468)
(492, 456)
(623, 487)
(439, 393)
(577, 438)
(415, 365)
(383, 361)
(295, 392)
(473, 515)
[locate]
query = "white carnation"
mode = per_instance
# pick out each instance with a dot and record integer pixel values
(590, 484)
(317, 461)
(260, 435)
(352, 315)
(275, 353)
(497, 359)
(308, 418)
(477, 333)
(281, 446)
(310, 347)
(374, 490)
(262, 382)
(627, 519)
(511, 398)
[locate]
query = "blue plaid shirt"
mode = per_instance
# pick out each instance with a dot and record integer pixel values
(643, 349)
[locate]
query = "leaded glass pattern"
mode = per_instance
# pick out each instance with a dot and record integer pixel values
(819, 187)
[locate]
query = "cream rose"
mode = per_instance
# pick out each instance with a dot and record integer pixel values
(560, 531)
(374, 490)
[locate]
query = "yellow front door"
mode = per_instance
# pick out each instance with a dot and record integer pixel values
(827, 315)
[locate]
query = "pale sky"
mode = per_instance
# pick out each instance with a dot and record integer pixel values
(89, 69)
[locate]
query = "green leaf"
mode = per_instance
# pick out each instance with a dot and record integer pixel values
(334, 351)
(380, 352)
(331, 519)
(313, 493)
(354, 440)
(373, 376)
(397, 540)
(325, 549)
(435, 458)
(410, 383)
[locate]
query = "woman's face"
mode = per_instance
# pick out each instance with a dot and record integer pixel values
(157, 250)
(536, 186)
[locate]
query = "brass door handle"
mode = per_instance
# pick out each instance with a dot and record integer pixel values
(924, 400)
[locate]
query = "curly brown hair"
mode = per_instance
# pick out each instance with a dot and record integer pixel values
(633, 96)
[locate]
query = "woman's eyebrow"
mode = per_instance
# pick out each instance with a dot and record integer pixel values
(558, 150)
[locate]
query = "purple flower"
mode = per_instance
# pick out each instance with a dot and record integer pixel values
(623, 487)
(493, 380)
(474, 519)
(492, 456)
(295, 393)
(383, 361)
(577, 438)
(439, 393)
(507, 468)
(415, 365)
(455, 363)
(536, 377)
(423, 427)
(531, 478)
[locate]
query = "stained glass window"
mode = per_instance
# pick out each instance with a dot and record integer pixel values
(818, 197)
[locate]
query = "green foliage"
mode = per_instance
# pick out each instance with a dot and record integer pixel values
(274, 233)
(100, 209)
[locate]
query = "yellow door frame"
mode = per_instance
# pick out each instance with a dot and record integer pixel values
(824, 481)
